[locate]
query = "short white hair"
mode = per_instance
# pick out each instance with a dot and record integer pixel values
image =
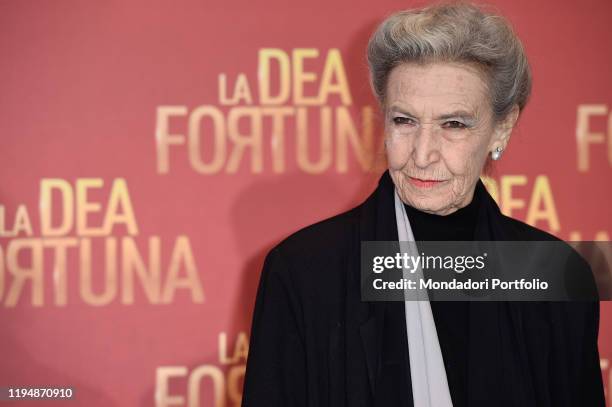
(457, 32)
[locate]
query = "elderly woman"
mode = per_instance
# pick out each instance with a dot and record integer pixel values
(451, 81)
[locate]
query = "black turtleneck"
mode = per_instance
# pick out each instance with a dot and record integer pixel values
(451, 318)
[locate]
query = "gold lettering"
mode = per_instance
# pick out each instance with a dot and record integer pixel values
(266, 55)
(508, 203)
(542, 205)
(251, 141)
(60, 247)
(182, 254)
(584, 137)
(300, 76)
(110, 272)
(277, 143)
(334, 68)
(325, 145)
(84, 207)
(241, 90)
(219, 144)
(33, 273)
(241, 349)
(163, 138)
(132, 263)
(22, 221)
(235, 380)
(162, 386)
(346, 133)
(47, 186)
(120, 197)
(218, 382)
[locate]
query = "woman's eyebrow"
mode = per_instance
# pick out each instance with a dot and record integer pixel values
(459, 113)
(401, 110)
(456, 114)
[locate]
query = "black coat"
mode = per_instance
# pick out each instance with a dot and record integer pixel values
(315, 343)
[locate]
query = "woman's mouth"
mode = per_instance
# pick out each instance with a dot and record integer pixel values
(424, 183)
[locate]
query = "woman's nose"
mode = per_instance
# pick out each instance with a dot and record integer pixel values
(426, 149)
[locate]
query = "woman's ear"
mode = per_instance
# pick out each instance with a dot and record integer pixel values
(503, 129)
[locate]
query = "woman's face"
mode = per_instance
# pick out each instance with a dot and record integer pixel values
(439, 129)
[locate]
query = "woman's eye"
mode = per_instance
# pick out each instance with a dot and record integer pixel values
(402, 120)
(454, 124)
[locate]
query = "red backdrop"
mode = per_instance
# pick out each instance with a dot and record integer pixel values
(153, 152)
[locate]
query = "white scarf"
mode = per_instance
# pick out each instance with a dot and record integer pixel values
(429, 383)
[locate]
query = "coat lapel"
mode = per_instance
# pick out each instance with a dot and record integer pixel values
(382, 324)
(377, 222)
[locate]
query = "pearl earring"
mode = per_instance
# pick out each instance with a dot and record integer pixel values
(496, 153)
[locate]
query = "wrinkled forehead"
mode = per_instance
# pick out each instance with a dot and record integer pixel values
(436, 88)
